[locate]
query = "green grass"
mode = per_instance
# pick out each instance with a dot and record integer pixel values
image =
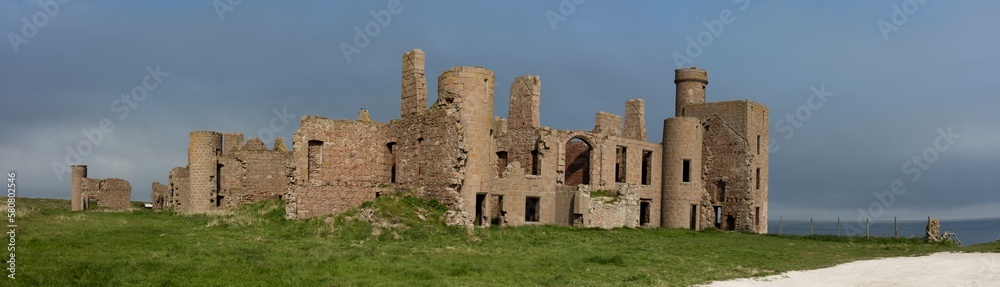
(254, 245)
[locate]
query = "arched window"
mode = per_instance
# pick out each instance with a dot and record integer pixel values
(577, 162)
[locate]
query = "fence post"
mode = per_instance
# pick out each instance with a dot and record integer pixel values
(895, 228)
(867, 229)
(811, 227)
(779, 225)
(838, 226)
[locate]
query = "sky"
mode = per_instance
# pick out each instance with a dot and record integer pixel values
(878, 108)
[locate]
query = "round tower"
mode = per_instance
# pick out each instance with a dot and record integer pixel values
(471, 88)
(203, 152)
(682, 186)
(691, 84)
(79, 172)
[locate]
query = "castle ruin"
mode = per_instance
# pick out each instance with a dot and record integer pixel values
(709, 170)
(90, 193)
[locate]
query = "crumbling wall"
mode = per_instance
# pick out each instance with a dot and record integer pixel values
(160, 195)
(109, 193)
(732, 162)
(619, 210)
(178, 186)
(251, 172)
(635, 120)
(345, 166)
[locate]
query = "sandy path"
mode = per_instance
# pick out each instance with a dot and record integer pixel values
(939, 269)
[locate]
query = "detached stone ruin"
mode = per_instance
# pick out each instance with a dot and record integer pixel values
(710, 169)
(90, 193)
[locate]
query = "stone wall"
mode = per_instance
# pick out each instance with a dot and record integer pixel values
(109, 193)
(160, 195)
(341, 164)
(620, 210)
(732, 161)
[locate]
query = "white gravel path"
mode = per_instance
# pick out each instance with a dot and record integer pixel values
(939, 269)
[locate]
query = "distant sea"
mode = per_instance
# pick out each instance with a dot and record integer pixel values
(969, 231)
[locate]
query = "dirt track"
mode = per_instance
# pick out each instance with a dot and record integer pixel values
(939, 269)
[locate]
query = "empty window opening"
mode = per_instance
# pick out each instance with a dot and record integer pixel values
(315, 161)
(480, 208)
(721, 185)
(501, 162)
(621, 155)
(90, 203)
(532, 208)
(756, 216)
(420, 174)
(718, 217)
(218, 185)
(694, 217)
(377, 195)
(577, 162)
(390, 148)
(536, 163)
(758, 178)
(644, 205)
(758, 145)
(647, 164)
(497, 214)
(686, 171)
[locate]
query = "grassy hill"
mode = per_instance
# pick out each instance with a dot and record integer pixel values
(397, 241)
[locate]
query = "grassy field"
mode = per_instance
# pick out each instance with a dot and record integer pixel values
(403, 242)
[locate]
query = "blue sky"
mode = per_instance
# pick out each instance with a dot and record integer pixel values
(891, 93)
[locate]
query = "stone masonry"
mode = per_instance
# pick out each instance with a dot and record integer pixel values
(709, 171)
(90, 193)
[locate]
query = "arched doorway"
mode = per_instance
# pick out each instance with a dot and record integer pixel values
(577, 162)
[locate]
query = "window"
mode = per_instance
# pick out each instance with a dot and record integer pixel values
(535, 163)
(758, 178)
(758, 145)
(647, 164)
(577, 162)
(420, 175)
(532, 208)
(644, 205)
(722, 190)
(686, 172)
(621, 155)
(392, 161)
(501, 162)
(315, 160)
(756, 217)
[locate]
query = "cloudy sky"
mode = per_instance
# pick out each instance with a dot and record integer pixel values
(893, 80)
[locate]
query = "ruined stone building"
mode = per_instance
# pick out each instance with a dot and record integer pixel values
(88, 193)
(224, 171)
(709, 170)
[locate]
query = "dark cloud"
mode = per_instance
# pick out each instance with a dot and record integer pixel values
(890, 96)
